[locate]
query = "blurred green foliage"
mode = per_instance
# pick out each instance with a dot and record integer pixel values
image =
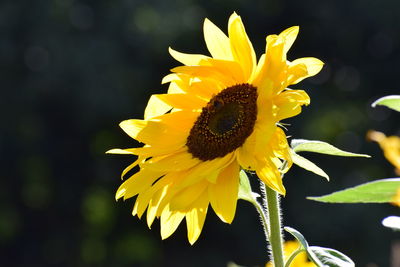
(70, 71)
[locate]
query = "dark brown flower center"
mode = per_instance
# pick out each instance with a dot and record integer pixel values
(225, 123)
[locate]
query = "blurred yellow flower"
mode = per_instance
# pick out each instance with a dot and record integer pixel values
(300, 260)
(396, 198)
(221, 114)
(390, 146)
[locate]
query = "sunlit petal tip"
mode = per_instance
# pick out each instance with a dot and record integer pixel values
(118, 151)
(169, 222)
(291, 31)
(193, 239)
(314, 65)
(173, 53)
(234, 18)
(206, 24)
(120, 193)
(169, 78)
(282, 191)
(187, 59)
(234, 15)
(132, 127)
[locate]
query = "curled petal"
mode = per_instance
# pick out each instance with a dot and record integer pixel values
(303, 68)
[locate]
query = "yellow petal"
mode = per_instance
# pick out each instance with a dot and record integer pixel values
(133, 127)
(182, 200)
(170, 221)
(229, 69)
(269, 174)
(206, 72)
(280, 144)
(257, 70)
(162, 131)
(312, 64)
(119, 151)
(137, 183)
(245, 153)
(175, 162)
(217, 42)
(155, 133)
(281, 149)
(206, 88)
(390, 146)
(169, 78)
(296, 73)
(258, 141)
(148, 151)
(168, 181)
(241, 47)
(155, 107)
(264, 131)
(131, 166)
(289, 103)
(224, 193)
(152, 197)
(182, 101)
(186, 120)
(154, 204)
(186, 84)
(272, 74)
(142, 201)
(289, 35)
(186, 59)
(196, 216)
(205, 170)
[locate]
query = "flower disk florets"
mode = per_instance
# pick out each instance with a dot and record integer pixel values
(225, 123)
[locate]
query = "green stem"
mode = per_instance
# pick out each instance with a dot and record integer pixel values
(275, 238)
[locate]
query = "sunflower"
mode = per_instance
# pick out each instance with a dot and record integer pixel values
(221, 114)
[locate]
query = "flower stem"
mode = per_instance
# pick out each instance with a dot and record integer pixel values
(271, 200)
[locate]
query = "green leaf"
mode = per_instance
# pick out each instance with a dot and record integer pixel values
(308, 165)
(330, 257)
(302, 145)
(304, 244)
(392, 222)
(322, 257)
(390, 101)
(245, 192)
(302, 240)
(379, 191)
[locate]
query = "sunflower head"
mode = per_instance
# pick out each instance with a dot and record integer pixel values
(221, 114)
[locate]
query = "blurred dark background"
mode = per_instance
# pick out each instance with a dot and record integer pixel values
(70, 71)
